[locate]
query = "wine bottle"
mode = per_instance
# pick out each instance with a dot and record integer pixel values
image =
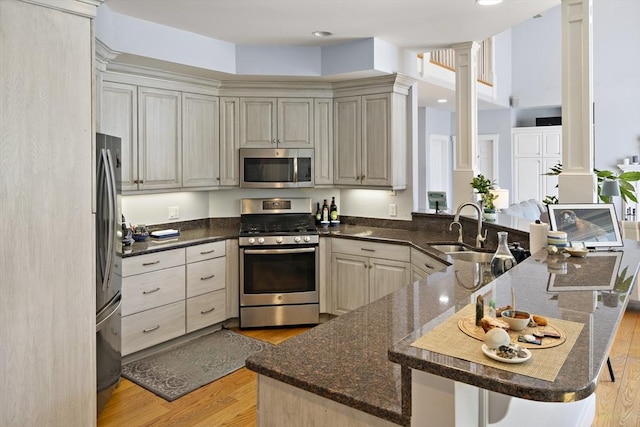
(318, 214)
(333, 210)
(325, 211)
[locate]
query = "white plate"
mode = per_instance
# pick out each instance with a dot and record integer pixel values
(491, 354)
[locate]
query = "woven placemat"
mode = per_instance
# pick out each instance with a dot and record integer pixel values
(544, 364)
(468, 326)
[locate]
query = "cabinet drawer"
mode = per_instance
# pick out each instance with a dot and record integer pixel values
(152, 262)
(205, 251)
(145, 291)
(206, 310)
(205, 276)
(372, 249)
(425, 262)
(152, 327)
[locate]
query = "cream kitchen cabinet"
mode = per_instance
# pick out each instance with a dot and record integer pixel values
(365, 271)
(370, 139)
(205, 286)
(276, 122)
(229, 141)
(423, 265)
(148, 121)
(323, 141)
(153, 299)
(120, 118)
(159, 139)
(200, 140)
(535, 151)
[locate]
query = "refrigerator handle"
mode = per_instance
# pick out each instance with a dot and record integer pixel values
(111, 189)
(108, 312)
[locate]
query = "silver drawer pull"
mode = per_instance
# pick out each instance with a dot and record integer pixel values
(208, 277)
(429, 266)
(207, 252)
(151, 329)
(150, 263)
(207, 311)
(367, 250)
(151, 291)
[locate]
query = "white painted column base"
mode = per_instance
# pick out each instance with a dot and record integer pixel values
(441, 402)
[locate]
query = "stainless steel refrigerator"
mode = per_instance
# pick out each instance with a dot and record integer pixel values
(108, 266)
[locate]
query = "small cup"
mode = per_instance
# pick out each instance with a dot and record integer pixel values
(634, 160)
(625, 161)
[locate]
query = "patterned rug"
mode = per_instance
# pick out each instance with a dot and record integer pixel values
(177, 371)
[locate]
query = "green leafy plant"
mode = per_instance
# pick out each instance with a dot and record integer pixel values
(627, 190)
(483, 185)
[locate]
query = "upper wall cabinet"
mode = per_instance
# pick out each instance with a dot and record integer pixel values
(323, 138)
(276, 122)
(119, 118)
(200, 140)
(159, 139)
(370, 140)
(535, 151)
(229, 141)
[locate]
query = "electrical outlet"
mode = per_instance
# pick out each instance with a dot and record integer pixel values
(174, 212)
(393, 209)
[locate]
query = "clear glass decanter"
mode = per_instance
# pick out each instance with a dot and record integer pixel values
(502, 260)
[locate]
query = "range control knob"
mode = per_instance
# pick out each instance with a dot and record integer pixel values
(260, 240)
(279, 240)
(307, 239)
(296, 239)
(251, 240)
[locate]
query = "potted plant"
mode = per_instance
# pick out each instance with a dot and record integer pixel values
(483, 186)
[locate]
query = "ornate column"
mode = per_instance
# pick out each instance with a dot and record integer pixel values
(466, 121)
(577, 182)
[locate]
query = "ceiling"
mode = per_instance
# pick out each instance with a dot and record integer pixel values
(415, 25)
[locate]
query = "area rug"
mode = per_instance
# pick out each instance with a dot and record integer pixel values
(180, 370)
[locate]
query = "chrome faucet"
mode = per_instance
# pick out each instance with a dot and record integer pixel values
(479, 237)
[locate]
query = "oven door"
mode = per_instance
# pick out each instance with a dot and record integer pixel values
(279, 275)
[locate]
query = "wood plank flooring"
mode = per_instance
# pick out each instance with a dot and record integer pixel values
(231, 401)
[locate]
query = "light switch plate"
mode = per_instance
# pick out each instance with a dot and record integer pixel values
(174, 212)
(393, 209)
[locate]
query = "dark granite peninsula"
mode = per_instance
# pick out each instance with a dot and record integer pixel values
(361, 369)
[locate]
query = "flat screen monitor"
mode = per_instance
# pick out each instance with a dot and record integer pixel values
(594, 224)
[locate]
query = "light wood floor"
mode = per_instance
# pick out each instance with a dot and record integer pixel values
(231, 401)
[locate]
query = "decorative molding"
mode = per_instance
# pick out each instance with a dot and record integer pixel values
(104, 54)
(392, 83)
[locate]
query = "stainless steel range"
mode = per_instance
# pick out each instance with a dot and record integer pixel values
(278, 263)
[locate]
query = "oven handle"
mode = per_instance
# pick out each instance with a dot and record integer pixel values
(278, 251)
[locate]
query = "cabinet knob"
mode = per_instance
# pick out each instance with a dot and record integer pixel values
(363, 177)
(273, 141)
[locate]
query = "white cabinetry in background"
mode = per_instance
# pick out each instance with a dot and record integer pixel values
(276, 122)
(535, 151)
(365, 271)
(206, 285)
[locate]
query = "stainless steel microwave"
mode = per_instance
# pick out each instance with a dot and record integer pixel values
(276, 168)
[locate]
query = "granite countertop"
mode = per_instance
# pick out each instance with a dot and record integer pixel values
(362, 359)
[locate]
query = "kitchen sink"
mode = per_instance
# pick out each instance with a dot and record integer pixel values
(480, 257)
(448, 248)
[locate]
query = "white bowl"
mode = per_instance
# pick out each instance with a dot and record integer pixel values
(517, 323)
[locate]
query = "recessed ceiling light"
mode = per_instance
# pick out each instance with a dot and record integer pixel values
(488, 2)
(442, 100)
(321, 33)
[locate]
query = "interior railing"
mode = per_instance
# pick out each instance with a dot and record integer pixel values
(446, 58)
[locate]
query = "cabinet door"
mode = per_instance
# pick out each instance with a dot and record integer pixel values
(347, 140)
(200, 140)
(120, 118)
(376, 140)
(229, 141)
(527, 178)
(527, 143)
(387, 276)
(258, 122)
(295, 123)
(323, 141)
(159, 138)
(349, 282)
(552, 142)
